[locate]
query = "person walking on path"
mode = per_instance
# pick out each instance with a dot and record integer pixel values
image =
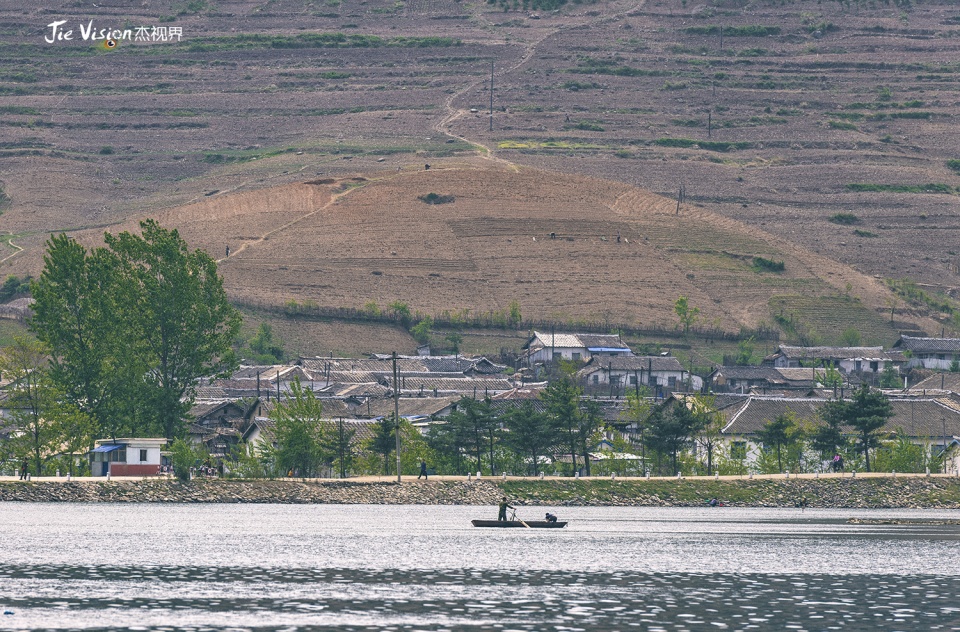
(504, 505)
(423, 470)
(24, 470)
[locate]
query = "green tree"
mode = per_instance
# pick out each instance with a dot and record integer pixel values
(185, 455)
(562, 401)
(745, 351)
(478, 429)
(531, 433)
(299, 433)
(671, 428)
(779, 434)
(515, 317)
(30, 402)
(827, 439)
(850, 337)
(709, 427)
(866, 413)
(74, 316)
(179, 311)
(889, 378)
(268, 350)
(340, 446)
(132, 326)
(687, 315)
(902, 455)
(384, 440)
(637, 416)
(401, 311)
(455, 338)
(421, 331)
(589, 425)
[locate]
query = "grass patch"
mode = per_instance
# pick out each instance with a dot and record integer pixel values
(913, 294)
(318, 40)
(844, 219)
(813, 320)
(748, 30)
(864, 233)
(589, 126)
(842, 125)
(932, 187)
(762, 264)
(954, 165)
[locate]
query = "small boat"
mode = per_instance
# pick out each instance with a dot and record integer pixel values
(533, 524)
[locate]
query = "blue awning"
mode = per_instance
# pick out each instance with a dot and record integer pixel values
(109, 448)
(608, 349)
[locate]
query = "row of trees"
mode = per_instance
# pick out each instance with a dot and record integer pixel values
(123, 334)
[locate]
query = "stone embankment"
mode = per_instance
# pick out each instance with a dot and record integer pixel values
(879, 492)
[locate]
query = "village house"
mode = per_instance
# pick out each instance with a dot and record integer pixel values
(616, 375)
(763, 380)
(845, 359)
(549, 347)
(218, 425)
(930, 422)
(126, 457)
(938, 354)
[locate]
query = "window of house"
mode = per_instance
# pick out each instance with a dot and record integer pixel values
(738, 450)
(576, 356)
(671, 381)
(596, 378)
(633, 380)
(859, 365)
(557, 355)
(143, 456)
(874, 366)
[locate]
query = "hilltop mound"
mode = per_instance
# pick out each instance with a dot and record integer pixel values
(567, 248)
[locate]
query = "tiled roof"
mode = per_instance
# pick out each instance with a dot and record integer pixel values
(945, 381)
(409, 406)
(405, 364)
(462, 385)
(839, 353)
(917, 417)
(575, 341)
(211, 393)
(633, 363)
(747, 373)
(928, 345)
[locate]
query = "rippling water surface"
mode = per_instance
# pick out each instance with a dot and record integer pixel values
(327, 567)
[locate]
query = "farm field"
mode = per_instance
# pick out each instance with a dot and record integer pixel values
(297, 133)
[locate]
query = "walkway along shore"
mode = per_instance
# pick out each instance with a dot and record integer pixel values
(860, 491)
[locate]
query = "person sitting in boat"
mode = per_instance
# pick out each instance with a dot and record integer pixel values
(551, 517)
(504, 505)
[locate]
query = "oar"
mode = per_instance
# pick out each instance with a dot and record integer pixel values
(518, 519)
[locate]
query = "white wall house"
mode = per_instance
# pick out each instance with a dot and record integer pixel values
(660, 373)
(844, 359)
(930, 353)
(549, 347)
(126, 457)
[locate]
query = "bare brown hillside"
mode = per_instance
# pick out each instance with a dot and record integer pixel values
(547, 240)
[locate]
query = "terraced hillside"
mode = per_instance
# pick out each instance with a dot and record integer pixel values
(566, 248)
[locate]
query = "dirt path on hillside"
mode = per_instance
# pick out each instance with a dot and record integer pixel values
(453, 113)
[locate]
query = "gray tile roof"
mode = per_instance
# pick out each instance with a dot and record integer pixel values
(917, 417)
(633, 363)
(840, 353)
(928, 345)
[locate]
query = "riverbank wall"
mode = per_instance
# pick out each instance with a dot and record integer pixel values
(919, 492)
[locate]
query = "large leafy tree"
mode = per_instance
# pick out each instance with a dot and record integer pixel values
(827, 438)
(384, 440)
(131, 326)
(181, 314)
(76, 316)
(299, 434)
(30, 402)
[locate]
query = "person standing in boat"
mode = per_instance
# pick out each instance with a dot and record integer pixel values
(504, 505)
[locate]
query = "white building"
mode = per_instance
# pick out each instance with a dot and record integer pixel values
(550, 347)
(126, 457)
(930, 353)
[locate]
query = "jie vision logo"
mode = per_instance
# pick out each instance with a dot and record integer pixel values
(62, 31)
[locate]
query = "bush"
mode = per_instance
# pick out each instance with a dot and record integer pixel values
(768, 265)
(954, 164)
(184, 456)
(436, 198)
(845, 219)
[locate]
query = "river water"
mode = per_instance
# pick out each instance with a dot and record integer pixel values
(361, 567)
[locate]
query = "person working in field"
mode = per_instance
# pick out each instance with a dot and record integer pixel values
(504, 505)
